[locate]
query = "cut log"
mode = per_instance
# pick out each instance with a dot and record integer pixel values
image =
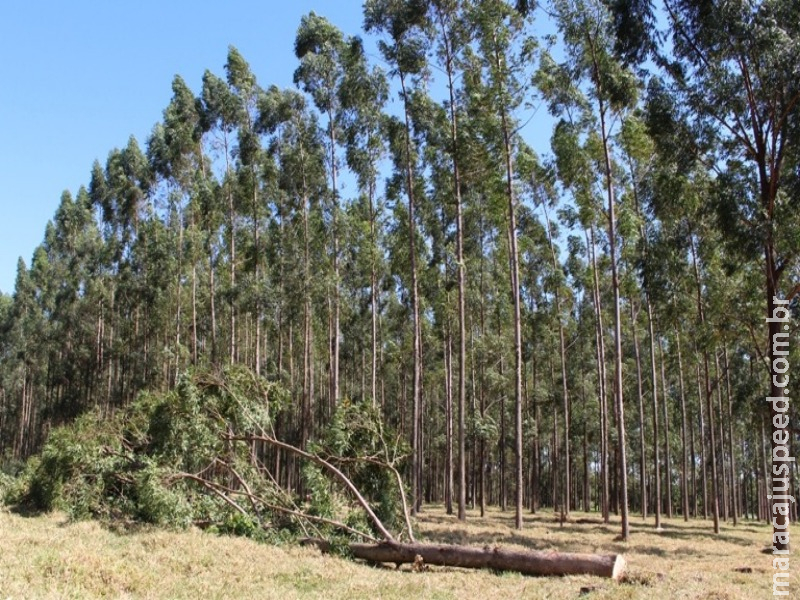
(527, 562)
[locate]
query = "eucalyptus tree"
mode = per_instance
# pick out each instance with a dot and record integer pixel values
(436, 219)
(299, 152)
(610, 92)
(544, 194)
(175, 153)
(363, 96)
(504, 53)
(453, 34)
(638, 152)
(254, 172)
(321, 48)
(26, 318)
(404, 49)
(221, 116)
(123, 192)
(7, 365)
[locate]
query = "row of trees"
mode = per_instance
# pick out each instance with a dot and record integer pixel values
(577, 330)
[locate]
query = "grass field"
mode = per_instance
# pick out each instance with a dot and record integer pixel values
(48, 557)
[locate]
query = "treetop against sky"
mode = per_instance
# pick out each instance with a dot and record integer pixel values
(82, 78)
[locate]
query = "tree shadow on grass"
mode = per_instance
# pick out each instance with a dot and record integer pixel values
(26, 510)
(709, 535)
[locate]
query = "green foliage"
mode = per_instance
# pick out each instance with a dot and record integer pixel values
(358, 443)
(129, 466)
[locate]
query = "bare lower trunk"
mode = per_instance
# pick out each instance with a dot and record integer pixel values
(731, 442)
(566, 490)
(684, 461)
(601, 378)
(708, 392)
(654, 383)
(642, 446)
(667, 453)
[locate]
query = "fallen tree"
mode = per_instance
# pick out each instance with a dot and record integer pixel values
(527, 562)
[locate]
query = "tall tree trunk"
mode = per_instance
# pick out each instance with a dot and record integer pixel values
(373, 293)
(232, 246)
(642, 445)
(448, 415)
(566, 489)
(731, 441)
(513, 258)
(257, 277)
(722, 461)
(612, 243)
(654, 382)
(667, 450)
(701, 411)
(335, 333)
(601, 378)
(684, 464)
(462, 285)
(417, 463)
(708, 393)
(308, 328)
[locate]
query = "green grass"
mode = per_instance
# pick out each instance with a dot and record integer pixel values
(48, 557)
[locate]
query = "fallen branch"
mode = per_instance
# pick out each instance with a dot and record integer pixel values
(336, 473)
(527, 562)
(223, 491)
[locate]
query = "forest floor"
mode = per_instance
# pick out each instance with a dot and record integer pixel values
(48, 557)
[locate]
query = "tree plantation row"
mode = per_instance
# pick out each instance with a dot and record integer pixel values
(582, 328)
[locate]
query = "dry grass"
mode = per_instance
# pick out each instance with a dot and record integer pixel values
(45, 557)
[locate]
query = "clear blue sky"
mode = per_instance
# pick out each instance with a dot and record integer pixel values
(78, 78)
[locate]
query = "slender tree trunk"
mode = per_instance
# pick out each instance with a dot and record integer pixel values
(373, 293)
(482, 388)
(708, 394)
(566, 490)
(517, 319)
(642, 445)
(765, 480)
(667, 452)
(619, 411)
(448, 410)
(232, 246)
(335, 329)
(684, 464)
(722, 461)
(601, 378)
(308, 329)
(536, 459)
(257, 277)
(618, 387)
(417, 463)
(731, 441)
(654, 383)
(461, 266)
(701, 412)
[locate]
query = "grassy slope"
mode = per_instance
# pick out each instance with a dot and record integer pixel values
(45, 557)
